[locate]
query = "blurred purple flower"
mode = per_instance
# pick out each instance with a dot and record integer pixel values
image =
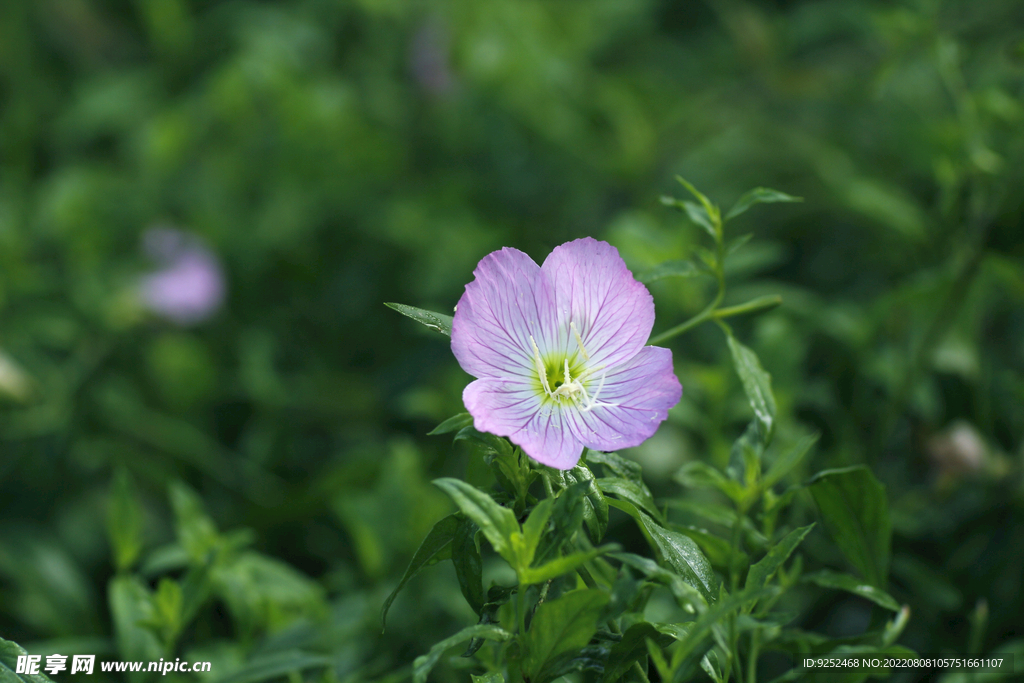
(559, 352)
(428, 59)
(189, 288)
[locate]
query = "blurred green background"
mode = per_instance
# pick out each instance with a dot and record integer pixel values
(335, 155)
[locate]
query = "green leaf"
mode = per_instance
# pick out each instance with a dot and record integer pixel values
(682, 554)
(496, 522)
(679, 552)
(756, 383)
(561, 565)
(423, 664)
(710, 209)
(851, 584)
(435, 547)
(496, 597)
(695, 633)
(276, 665)
(435, 321)
(130, 606)
(595, 507)
(561, 626)
(487, 678)
(677, 268)
(124, 521)
(632, 648)
(685, 594)
(856, 513)
(617, 465)
(699, 215)
(789, 459)
(468, 564)
(9, 653)
(760, 572)
(196, 532)
(697, 474)
(491, 444)
(452, 424)
(759, 195)
(637, 494)
(534, 526)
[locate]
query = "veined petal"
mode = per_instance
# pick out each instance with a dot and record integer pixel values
(501, 309)
(632, 403)
(613, 313)
(514, 409)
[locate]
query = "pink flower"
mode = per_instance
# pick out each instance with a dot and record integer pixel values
(559, 352)
(190, 286)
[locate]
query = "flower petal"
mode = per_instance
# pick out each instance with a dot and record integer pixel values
(502, 308)
(515, 409)
(632, 403)
(593, 288)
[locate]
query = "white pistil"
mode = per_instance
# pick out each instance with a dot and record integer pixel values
(539, 365)
(579, 341)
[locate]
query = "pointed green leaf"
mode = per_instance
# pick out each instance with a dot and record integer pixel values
(423, 664)
(435, 547)
(637, 494)
(699, 215)
(561, 565)
(124, 521)
(487, 678)
(632, 648)
(851, 584)
(760, 572)
(435, 321)
(9, 653)
(685, 594)
(560, 626)
(697, 474)
(669, 269)
(756, 383)
(680, 553)
(130, 605)
(856, 513)
(786, 461)
(759, 195)
(615, 464)
(595, 507)
(452, 424)
(468, 564)
(496, 522)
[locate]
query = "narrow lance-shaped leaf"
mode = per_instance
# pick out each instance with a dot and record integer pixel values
(789, 459)
(851, 584)
(632, 648)
(423, 664)
(595, 507)
(468, 564)
(759, 195)
(435, 321)
(9, 653)
(639, 496)
(435, 547)
(856, 513)
(757, 384)
(452, 424)
(496, 522)
(674, 549)
(761, 571)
